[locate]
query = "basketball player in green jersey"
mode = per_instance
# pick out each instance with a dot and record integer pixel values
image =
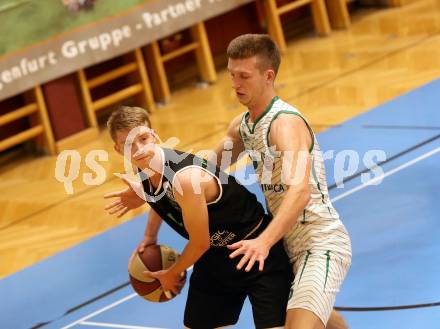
(290, 167)
(273, 132)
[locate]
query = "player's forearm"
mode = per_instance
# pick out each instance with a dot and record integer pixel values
(290, 209)
(153, 225)
(191, 254)
(216, 155)
(226, 153)
(195, 219)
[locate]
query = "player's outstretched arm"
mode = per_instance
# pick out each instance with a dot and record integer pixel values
(194, 207)
(290, 135)
(232, 141)
(124, 200)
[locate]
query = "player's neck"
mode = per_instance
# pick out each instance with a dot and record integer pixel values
(257, 109)
(155, 179)
(156, 167)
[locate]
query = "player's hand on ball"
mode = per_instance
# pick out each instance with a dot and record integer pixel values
(255, 250)
(169, 280)
(148, 240)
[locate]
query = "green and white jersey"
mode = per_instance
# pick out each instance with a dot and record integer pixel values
(319, 226)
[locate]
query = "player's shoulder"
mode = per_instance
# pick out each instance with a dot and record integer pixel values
(281, 105)
(284, 112)
(234, 125)
(236, 121)
(190, 176)
(287, 120)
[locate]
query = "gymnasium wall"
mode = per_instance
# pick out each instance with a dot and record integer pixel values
(63, 38)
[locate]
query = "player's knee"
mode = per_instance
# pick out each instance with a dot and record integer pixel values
(302, 319)
(336, 321)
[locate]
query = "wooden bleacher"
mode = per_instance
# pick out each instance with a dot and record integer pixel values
(157, 59)
(134, 69)
(34, 110)
(338, 13)
(273, 12)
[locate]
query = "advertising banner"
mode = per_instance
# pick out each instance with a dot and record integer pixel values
(41, 40)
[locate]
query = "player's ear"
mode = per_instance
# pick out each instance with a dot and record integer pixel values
(270, 75)
(117, 148)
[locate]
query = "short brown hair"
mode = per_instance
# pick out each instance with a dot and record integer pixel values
(127, 118)
(260, 45)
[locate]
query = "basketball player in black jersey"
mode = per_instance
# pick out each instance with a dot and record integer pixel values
(211, 209)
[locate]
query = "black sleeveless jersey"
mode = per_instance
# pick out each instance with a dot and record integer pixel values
(234, 215)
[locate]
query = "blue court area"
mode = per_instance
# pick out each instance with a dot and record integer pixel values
(394, 227)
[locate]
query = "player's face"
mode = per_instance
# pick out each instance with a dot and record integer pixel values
(248, 80)
(142, 140)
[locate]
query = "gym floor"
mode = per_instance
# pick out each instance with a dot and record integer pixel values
(391, 216)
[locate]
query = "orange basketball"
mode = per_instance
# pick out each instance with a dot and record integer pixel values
(153, 258)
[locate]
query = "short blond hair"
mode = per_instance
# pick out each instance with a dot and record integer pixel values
(127, 118)
(259, 45)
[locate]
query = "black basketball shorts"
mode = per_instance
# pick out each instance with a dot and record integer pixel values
(217, 290)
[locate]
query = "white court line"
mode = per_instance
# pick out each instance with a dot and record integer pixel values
(122, 300)
(389, 173)
(339, 197)
(114, 325)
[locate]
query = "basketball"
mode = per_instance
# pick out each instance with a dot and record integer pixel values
(153, 258)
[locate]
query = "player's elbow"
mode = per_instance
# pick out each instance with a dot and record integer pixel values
(305, 195)
(203, 246)
(206, 244)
